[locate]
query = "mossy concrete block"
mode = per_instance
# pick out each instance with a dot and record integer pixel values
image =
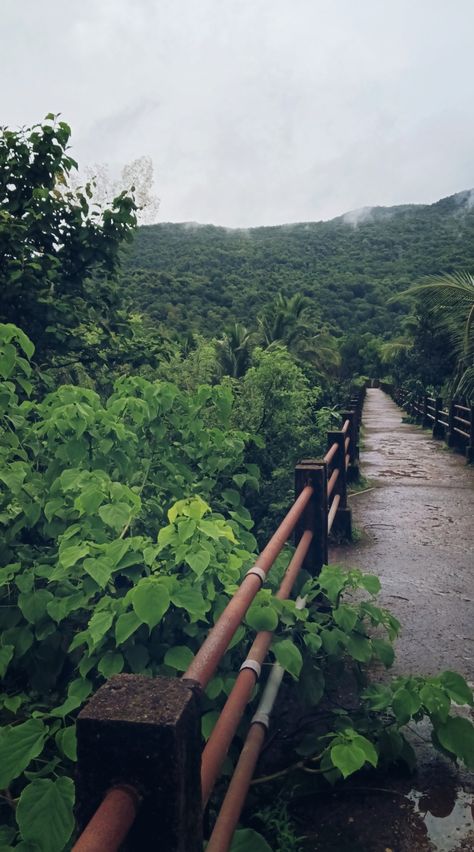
(144, 732)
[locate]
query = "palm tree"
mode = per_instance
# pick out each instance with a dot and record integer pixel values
(450, 300)
(282, 321)
(234, 351)
(320, 350)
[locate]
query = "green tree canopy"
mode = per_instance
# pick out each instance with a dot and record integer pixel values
(59, 252)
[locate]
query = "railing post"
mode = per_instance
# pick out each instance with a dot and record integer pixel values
(418, 407)
(438, 430)
(315, 517)
(142, 733)
(470, 446)
(451, 434)
(353, 434)
(425, 411)
(343, 520)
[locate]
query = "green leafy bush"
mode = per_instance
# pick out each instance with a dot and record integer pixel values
(123, 538)
(102, 568)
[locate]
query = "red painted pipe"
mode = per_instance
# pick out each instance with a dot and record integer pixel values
(212, 650)
(332, 481)
(221, 837)
(333, 510)
(223, 733)
(331, 453)
(111, 822)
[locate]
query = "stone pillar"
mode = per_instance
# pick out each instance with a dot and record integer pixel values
(144, 733)
(315, 517)
(343, 521)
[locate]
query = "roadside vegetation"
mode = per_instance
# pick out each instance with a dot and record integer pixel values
(140, 469)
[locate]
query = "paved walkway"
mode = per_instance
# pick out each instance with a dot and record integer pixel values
(417, 529)
(417, 525)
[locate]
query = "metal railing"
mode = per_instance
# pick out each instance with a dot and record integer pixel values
(142, 779)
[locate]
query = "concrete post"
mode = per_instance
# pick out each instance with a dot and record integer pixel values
(470, 446)
(315, 518)
(144, 733)
(353, 433)
(343, 521)
(451, 434)
(438, 429)
(425, 420)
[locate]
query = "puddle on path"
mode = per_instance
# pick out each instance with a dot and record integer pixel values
(448, 820)
(377, 819)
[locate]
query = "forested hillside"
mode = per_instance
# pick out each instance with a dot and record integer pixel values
(202, 277)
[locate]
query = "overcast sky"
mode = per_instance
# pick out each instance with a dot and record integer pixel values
(254, 111)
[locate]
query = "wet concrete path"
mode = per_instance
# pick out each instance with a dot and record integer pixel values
(417, 525)
(417, 529)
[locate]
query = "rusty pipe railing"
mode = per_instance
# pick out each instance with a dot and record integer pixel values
(330, 453)
(229, 814)
(223, 733)
(228, 817)
(112, 820)
(209, 655)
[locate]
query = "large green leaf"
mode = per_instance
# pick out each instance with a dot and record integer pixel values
(371, 583)
(126, 624)
(192, 600)
(367, 747)
(262, 617)
(384, 651)
(332, 582)
(289, 656)
(67, 742)
(435, 700)
(6, 654)
(378, 696)
(18, 746)
(70, 555)
(179, 657)
(33, 604)
(99, 625)
(345, 616)
(457, 735)
(248, 840)
(198, 561)
(333, 640)
(359, 647)
(348, 757)
(100, 569)
(456, 687)
(115, 515)
(151, 599)
(45, 813)
(110, 664)
(405, 704)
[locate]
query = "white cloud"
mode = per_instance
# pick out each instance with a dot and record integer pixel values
(255, 111)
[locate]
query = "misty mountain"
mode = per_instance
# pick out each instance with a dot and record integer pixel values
(203, 277)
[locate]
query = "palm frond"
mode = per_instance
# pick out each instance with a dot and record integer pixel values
(450, 301)
(465, 386)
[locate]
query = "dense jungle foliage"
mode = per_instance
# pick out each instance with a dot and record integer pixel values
(139, 471)
(352, 270)
(201, 277)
